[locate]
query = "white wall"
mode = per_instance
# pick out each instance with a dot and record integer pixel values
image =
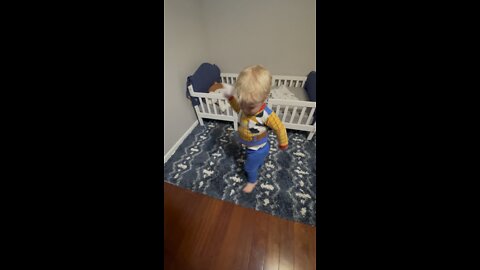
(185, 46)
(279, 34)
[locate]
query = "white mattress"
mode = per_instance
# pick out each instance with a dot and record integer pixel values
(289, 93)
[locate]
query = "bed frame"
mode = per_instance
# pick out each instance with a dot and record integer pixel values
(303, 123)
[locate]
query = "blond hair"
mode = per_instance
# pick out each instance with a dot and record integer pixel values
(253, 85)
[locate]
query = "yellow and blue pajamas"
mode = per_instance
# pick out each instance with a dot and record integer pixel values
(254, 135)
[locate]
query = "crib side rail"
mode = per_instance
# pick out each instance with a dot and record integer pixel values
(213, 106)
(230, 78)
(295, 114)
(277, 80)
(288, 81)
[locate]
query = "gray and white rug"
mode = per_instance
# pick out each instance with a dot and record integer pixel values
(210, 161)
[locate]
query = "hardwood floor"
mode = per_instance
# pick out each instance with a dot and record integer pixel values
(201, 232)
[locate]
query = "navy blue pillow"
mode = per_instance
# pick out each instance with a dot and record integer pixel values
(311, 86)
(202, 79)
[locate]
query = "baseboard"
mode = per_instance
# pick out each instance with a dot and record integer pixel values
(179, 142)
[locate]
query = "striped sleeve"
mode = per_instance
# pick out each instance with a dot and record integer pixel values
(276, 124)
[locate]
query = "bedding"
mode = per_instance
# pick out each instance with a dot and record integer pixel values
(285, 93)
(289, 93)
(299, 93)
(282, 92)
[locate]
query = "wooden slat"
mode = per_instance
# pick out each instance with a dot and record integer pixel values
(208, 106)
(224, 102)
(278, 110)
(299, 127)
(301, 115)
(312, 110)
(217, 117)
(214, 107)
(293, 114)
(201, 104)
(285, 113)
(220, 105)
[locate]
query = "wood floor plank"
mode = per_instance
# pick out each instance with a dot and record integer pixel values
(218, 219)
(176, 215)
(243, 247)
(300, 246)
(189, 244)
(314, 252)
(272, 252)
(286, 260)
(311, 251)
(234, 243)
(259, 242)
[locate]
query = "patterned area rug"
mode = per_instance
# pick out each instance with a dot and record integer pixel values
(210, 161)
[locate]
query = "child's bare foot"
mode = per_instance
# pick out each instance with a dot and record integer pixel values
(249, 187)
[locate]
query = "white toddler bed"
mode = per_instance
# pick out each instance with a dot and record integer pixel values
(288, 99)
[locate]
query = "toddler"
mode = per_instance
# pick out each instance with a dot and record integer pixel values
(248, 100)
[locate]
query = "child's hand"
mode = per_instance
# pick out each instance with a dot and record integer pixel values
(283, 147)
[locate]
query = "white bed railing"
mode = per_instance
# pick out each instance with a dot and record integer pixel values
(295, 114)
(288, 81)
(277, 80)
(208, 108)
(288, 111)
(230, 78)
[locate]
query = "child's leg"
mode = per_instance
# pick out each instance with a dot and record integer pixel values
(253, 163)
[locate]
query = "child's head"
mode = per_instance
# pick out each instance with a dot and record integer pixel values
(252, 88)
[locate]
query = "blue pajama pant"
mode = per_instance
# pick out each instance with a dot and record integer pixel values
(254, 161)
